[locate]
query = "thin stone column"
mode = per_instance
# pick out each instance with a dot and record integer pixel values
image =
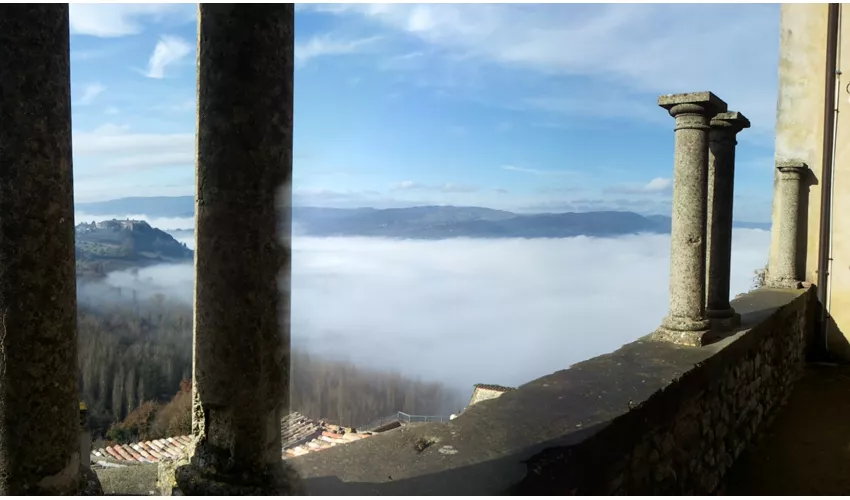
(686, 322)
(782, 267)
(241, 316)
(721, 189)
(39, 409)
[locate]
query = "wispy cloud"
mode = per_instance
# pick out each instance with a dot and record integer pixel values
(116, 149)
(115, 20)
(639, 48)
(535, 171)
(90, 92)
(168, 51)
(327, 45)
(656, 185)
(448, 187)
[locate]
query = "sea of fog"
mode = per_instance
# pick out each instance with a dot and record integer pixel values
(468, 311)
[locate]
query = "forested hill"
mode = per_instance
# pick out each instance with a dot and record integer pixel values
(112, 245)
(132, 353)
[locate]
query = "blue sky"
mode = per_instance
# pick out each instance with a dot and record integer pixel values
(514, 106)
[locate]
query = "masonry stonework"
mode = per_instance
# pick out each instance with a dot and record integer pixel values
(690, 434)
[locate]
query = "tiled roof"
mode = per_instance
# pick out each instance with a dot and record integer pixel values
(155, 450)
(491, 387)
(331, 435)
(296, 429)
(299, 435)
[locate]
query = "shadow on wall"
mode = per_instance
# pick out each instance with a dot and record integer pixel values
(807, 182)
(837, 344)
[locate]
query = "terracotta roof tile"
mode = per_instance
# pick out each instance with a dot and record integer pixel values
(299, 435)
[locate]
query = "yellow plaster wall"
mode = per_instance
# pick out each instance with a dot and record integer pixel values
(799, 136)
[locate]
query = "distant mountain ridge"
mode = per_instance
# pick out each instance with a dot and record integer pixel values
(427, 222)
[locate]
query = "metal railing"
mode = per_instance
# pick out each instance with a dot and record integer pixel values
(402, 417)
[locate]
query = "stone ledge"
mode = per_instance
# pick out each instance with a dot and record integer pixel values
(535, 439)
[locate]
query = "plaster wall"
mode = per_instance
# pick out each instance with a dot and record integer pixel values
(480, 394)
(800, 135)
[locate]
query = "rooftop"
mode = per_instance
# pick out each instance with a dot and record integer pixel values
(299, 435)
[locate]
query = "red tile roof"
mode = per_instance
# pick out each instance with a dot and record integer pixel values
(147, 451)
(299, 435)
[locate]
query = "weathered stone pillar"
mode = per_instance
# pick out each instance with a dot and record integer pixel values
(39, 410)
(782, 267)
(686, 322)
(721, 189)
(244, 161)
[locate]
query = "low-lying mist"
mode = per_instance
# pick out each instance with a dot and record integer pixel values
(465, 311)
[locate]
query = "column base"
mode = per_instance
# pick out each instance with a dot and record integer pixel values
(723, 319)
(182, 478)
(90, 483)
(683, 331)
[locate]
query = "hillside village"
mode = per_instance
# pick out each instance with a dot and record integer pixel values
(113, 245)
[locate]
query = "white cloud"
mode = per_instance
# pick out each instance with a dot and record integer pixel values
(168, 51)
(112, 161)
(535, 171)
(408, 185)
(656, 185)
(90, 92)
(449, 187)
(625, 48)
(468, 311)
(115, 20)
(113, 141)
(327, 45)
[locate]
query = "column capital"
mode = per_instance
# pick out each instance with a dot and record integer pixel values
(730, 121)
(792, 169)
(703, 103)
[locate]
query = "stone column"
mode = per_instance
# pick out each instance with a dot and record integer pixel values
(686, 322)
(39, 409)
(782, 268)
(721, 189)
(242, 251)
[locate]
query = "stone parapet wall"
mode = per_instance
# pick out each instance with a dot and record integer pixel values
(683, 439)
(650, 418)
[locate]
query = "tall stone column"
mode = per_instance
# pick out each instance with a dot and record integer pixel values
(782, 267)
(242, 252)
(721, 189)
(686, 323)
(39, 409)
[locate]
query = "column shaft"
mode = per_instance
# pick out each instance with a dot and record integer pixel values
(686, 322)
(242, 253)
(39, 412)
(721, 187)
(782, 269)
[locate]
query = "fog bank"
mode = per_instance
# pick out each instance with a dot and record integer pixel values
(469, 311)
